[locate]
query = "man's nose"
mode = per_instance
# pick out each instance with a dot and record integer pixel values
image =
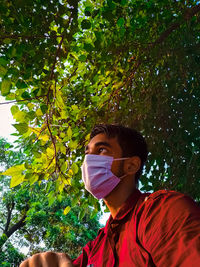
(92, 152)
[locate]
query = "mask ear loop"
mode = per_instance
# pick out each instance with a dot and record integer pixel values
(124, 174)
(122, 158)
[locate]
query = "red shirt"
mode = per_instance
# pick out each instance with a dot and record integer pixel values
(159, 229)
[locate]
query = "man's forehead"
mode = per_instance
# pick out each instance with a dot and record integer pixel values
(103, 138)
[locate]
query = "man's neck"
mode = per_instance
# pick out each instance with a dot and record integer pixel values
(115, 200)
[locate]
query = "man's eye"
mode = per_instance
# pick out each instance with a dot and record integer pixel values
(102, 149)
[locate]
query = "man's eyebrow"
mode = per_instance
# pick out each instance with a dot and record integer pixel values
(99, 144)
(103, 144)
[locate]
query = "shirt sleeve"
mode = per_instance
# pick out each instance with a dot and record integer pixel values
(169, 229)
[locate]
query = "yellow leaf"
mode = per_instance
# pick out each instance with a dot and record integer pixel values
(64, 114)
(50, 152)
(44, 137)
(16, 180)
(69, 132)
(62, 135)
(60, 147)
(28, 133)
(74, 55)
(63, 149)
(64, 167)
(87, 138)
(68, 181)
(61, 186)
(66, 210)
(73, 144)
(30, 106)
(5, 87)
(33, 179)
(70, 172)
(59, 100)
(16, 172)
(39, 112)
(19, 116)
(118, 85)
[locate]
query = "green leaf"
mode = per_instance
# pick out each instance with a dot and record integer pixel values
(7, 41)
(3, 71)
(14, 109)
(44, 108)
(21, 84)
(51, 198)
(85, 24)
(5, 87)
(94, 213)
(124, 2)
(82, 58)
(35, 92)
(3, 62)
(34, 178)
(74, 168)
(21, 127)
(120, 22)
(26, 95)
(88, 47)
(81, 214)
(74, 201)
(88, 11)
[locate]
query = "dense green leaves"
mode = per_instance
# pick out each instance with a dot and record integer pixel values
(39, 218)
(72, 65)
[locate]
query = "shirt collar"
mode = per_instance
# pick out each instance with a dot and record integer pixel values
(127, 206)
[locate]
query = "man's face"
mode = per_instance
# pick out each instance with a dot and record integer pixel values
(104, 146)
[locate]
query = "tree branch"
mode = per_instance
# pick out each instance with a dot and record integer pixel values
(190, 12)
(16, 226)
(55, 59)
(9, 209)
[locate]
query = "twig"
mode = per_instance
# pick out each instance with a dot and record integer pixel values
(12, 36)
(22, 100)
(53, 140)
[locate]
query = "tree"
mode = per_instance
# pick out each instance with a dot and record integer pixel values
(9, 255)
(68, 65)
(29, 218)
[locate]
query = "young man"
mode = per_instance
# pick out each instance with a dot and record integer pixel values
(159, 229)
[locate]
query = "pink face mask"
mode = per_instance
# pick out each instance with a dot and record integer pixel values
(97, 175)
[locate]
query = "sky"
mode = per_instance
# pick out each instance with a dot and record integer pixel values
(6, 121)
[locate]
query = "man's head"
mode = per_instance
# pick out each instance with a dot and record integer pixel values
(131, 142)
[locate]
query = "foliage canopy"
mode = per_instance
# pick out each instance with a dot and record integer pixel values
(29, 220)
(71, 64)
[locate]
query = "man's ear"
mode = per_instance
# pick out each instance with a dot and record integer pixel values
(132, 165)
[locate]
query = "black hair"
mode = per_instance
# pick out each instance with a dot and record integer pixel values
(131, 142)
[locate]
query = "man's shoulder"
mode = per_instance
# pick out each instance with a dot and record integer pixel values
(164, 193)
(168, 199)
